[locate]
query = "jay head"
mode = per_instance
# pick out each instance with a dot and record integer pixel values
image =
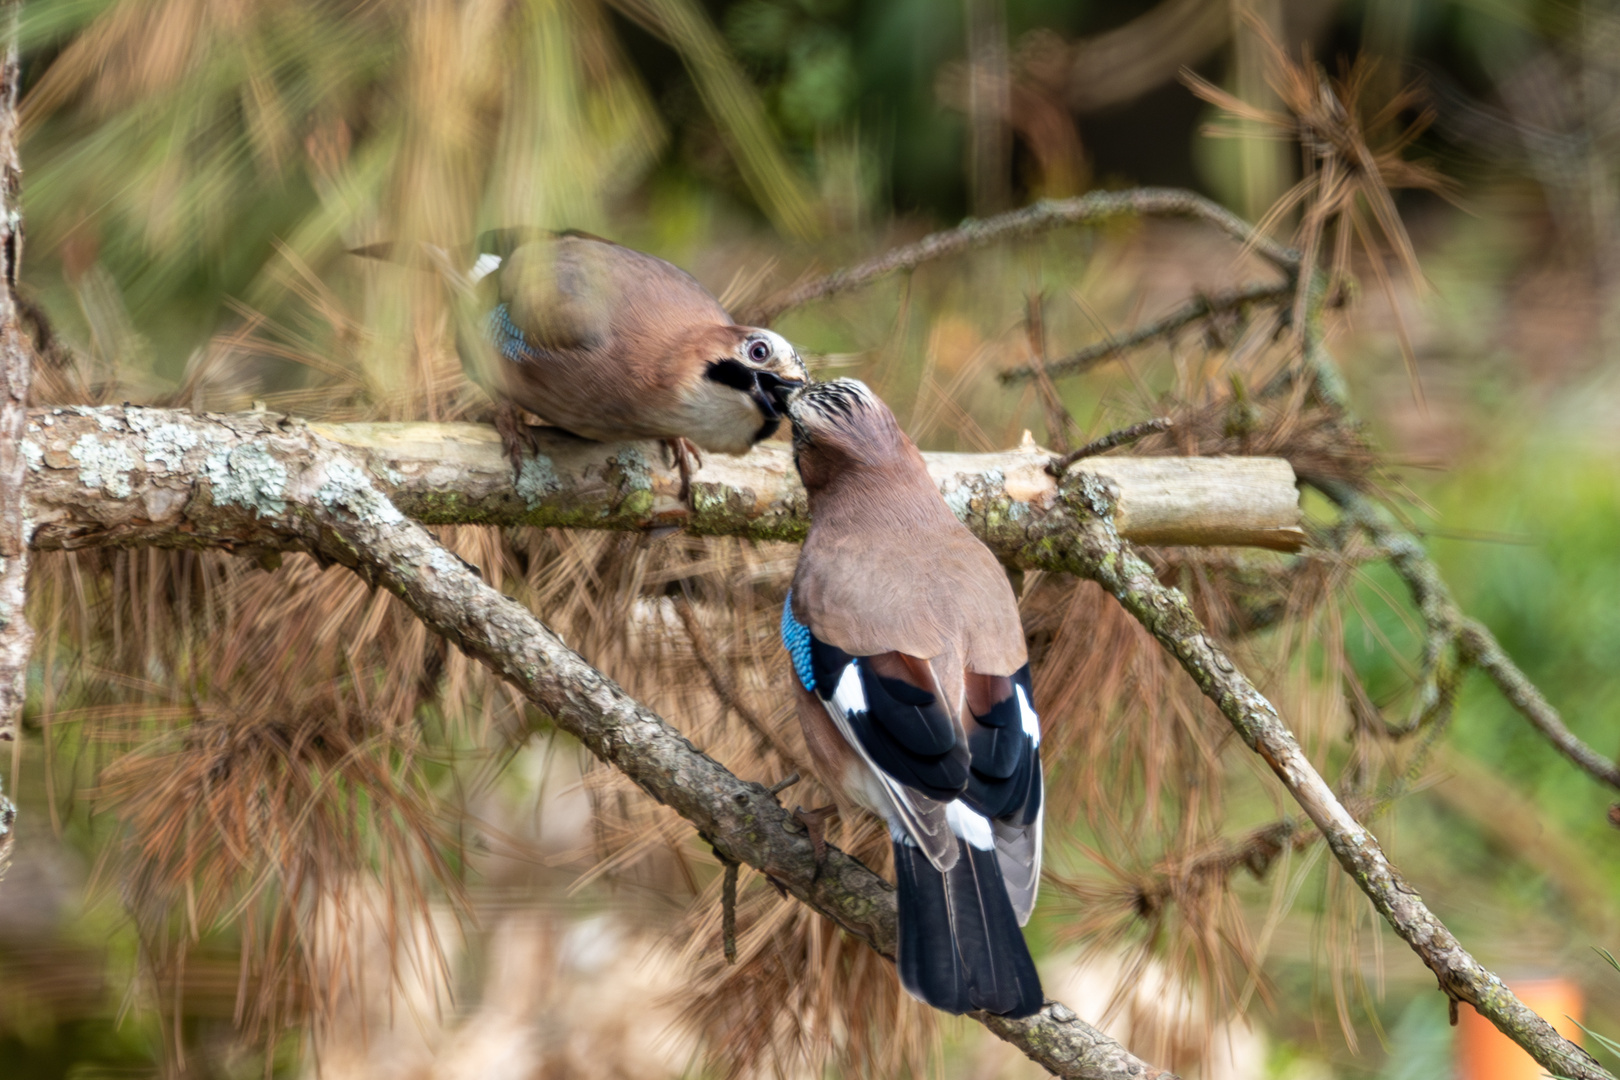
(748, 373)
(840, 429)
(914, 693)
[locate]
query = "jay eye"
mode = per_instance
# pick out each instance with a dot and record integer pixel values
(759, 351)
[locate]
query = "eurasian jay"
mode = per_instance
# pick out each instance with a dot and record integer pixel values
(914, 695)
(610, 343)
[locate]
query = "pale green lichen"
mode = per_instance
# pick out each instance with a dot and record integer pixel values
(628, 471)
(32, 454)
(248, 476)
(962, 491)
(106, 420)
(443, 562)
(537, 480)
(103, 465)
(166, 445)
(348, 486)
(139, 419)
(631, 465)
(1091, 492)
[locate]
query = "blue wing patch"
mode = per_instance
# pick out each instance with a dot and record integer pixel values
(505, 336)
(796, 639)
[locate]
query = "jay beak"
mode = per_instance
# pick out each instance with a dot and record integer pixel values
(914, 695)
(609, 343)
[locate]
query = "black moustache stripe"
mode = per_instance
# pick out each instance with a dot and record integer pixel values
(732, 373)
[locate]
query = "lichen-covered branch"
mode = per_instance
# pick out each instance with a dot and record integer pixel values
(1096, 208)
(1165, 612)
(16, 637)
(117, 476)
(260, 481)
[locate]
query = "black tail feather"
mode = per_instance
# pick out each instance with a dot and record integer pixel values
(960, 945)
(928, 965)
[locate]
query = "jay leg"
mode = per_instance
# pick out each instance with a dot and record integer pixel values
(815, 823)
(516, 434)
(687, 459)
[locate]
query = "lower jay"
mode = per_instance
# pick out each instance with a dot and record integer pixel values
(913, 690)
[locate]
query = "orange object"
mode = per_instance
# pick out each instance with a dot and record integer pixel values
(1483, 1053)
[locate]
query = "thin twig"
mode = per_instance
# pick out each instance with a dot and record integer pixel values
(1095, 208)
(783, 784)
(728, 906)
(1199, 307)
(1475, 643)
(1448, 628)
(1059, 421)
(1114, 438)
(1480, 649)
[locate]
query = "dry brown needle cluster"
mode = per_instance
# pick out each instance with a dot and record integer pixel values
(1346, 184)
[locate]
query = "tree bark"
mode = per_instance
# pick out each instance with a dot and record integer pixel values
(16, 638)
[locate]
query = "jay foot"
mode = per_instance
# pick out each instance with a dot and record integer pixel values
(815, 823)
(517, 434)
(687, 460)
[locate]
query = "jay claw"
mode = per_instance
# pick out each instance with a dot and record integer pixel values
(688, 461)
(517, 434)
(815, 824)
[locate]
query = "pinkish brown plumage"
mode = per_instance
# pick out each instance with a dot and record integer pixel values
(610, 343)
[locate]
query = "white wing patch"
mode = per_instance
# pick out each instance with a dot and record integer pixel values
(1031, 722)
(970, 825)
(849, 698)
(848, 695)
(486, 265)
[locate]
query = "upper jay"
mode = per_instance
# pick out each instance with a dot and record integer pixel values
(610, 343)
(914, 695)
